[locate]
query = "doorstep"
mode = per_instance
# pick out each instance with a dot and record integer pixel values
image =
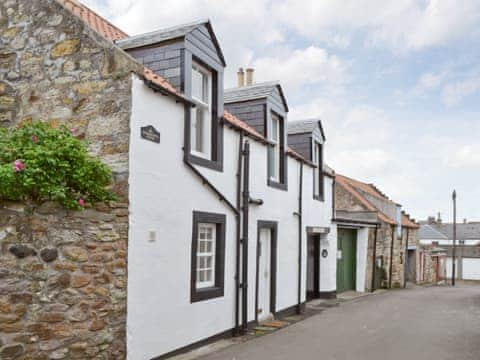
(312, 308)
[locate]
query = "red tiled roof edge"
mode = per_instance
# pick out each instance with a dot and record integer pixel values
(350, 188)
(111, 33)
(96, 22)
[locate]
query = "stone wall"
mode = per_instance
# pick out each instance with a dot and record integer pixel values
(63, 282)
(63, 275)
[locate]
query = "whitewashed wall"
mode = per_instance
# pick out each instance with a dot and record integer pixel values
(163, 195)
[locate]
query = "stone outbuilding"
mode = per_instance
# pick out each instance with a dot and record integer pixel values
(374, 236)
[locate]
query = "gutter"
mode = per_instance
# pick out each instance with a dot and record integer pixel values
(178, 97)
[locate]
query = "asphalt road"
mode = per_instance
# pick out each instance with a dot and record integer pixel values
(434, 323)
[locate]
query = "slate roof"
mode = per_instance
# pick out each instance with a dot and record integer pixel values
(170, 33)
(468, 231)
(93, 20)
(111, 33)
(355, 188)
(253, 92)
(305, 126)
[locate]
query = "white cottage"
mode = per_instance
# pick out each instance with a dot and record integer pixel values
(221, 208)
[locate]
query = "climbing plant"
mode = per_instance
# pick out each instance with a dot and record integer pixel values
(39, 163)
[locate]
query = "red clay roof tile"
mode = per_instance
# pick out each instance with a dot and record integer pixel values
(95, 21)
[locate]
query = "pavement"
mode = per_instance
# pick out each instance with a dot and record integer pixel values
(440, 323)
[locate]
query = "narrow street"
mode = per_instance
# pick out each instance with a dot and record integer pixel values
(419, 324)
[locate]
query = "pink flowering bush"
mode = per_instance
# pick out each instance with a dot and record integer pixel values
(40, 163)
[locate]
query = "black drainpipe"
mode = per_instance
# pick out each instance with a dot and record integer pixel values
(374, 266)
(405, 260)
(300, 231)
(238, 229)
(391, 258)
(245, 209)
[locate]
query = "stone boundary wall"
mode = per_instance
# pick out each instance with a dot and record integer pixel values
(63, 274)
(63, 282)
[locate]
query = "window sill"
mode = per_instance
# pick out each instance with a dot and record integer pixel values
(277, 185)
(206, 294)
(319, 198)
(201, 161)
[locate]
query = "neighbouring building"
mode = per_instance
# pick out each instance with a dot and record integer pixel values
(435, 233)
(216, 213)
(374, 236)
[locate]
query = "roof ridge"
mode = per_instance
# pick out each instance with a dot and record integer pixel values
(169, 28)
(246, 87)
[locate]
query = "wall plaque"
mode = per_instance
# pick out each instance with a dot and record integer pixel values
(324, 253)
(150, 133)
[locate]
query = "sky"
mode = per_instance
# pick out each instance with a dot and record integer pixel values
(396, 83)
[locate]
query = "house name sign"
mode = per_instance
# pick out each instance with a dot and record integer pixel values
(150, 133)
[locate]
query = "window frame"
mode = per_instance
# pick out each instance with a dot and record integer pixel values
(281, 182)
(318, 174)
(217, 289)
(207, 109)
(214, 160)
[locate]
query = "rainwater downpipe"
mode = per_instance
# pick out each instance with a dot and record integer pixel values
(374, 267)
(391, 258)
(300, 233)
(245, 212)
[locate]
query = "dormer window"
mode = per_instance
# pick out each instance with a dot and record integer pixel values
(318, 176)
(201, 114)
(276, 152)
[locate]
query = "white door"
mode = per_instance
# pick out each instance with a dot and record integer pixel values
(264, 275)
(449, 268)
(471, 269)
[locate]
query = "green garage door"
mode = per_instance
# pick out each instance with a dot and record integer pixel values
(346, 260)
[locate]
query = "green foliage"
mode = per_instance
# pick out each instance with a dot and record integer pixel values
(40, 163)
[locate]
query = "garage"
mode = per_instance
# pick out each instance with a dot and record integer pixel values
(471, 269)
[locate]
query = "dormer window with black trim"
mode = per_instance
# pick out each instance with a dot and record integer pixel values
(276, 152)
(201, 115)
(190, 58)
(318, 175)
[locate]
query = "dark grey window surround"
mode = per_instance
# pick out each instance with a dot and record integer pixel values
(216, 163)
(320, 174)
(216, 291)
(283, 183)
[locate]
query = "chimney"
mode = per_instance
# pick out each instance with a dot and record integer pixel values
(465, 221)
(431, 220)
(250, 76)
(240, 78)
(439, 219)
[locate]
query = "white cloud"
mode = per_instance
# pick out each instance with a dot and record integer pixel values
(296, 68)
(400, 24)
(465, 155)
(430, 81)
(454, 93)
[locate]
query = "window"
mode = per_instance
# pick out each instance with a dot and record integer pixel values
(318, 176)
(276, 152)
(208, 256)
(201, 114)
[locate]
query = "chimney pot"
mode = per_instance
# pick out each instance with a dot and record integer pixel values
(250, 72)
(240, 78)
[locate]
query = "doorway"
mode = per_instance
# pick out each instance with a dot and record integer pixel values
(265, 298)
(347, 260)
(313, 267)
